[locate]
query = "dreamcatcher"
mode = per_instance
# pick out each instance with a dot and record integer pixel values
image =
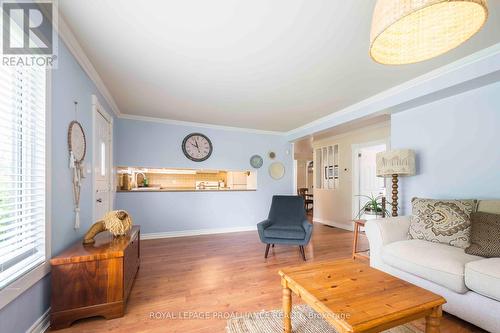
(77, 148)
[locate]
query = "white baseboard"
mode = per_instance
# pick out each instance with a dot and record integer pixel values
(197, 232)
(42, 324)
(344, 226)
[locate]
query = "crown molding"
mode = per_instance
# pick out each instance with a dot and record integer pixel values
(68, 37)
(467, 69)
(200, 125)
(464, 70)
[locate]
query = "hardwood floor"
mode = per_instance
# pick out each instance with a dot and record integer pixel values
(220, 274)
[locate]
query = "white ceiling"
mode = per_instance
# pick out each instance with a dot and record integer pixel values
(270, 65)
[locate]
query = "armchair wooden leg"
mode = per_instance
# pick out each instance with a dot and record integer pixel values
(267, 250)
(302, 252)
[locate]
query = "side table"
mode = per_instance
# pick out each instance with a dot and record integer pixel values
(355, 253)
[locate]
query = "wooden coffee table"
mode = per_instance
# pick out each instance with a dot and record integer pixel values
(354, 297)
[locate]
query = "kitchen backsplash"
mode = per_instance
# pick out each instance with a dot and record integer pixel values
(184, 181)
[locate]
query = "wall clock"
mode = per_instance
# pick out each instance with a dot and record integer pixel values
(197, 147)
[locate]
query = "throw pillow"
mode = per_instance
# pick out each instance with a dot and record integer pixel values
(485, 235)
(442, 221)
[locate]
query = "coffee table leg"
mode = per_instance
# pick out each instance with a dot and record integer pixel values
(433, 320)
(287, 308)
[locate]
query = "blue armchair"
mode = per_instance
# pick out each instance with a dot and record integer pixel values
(286, 224)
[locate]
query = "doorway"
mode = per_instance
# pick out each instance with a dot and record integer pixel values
(365, 181)
(102, 161)
(310, 176)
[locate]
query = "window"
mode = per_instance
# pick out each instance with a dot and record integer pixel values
(22, 171)
(327, 167)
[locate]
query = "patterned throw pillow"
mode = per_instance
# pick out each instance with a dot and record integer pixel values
(485, 235)
(442, 221)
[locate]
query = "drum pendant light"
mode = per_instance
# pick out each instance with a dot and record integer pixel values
(410, 31)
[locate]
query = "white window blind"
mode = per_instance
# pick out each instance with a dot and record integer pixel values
(22, 171)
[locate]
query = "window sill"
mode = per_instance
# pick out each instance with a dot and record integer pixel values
(19, 286)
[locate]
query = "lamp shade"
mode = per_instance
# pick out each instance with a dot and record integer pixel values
(409, 31)
(399, 162)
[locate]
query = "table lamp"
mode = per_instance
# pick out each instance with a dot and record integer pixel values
(395, 163)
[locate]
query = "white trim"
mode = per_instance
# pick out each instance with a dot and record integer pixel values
(348, 227)
(98, 108)
(42, 324)
(196, 232)
(77, 51)
(195, 124)
(23, 283)
(294, 180)
(48, 167)
(460, 71)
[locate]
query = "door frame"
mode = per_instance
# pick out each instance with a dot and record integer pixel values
(97, 108)
(355, 148)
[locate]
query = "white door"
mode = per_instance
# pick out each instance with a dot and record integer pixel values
(369, 185)
(102, 165)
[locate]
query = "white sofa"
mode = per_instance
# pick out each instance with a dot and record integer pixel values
(470, 284)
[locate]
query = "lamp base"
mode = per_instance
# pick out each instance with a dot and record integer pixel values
(394, 195)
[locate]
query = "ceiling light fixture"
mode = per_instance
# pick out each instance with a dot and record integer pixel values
(410, 31)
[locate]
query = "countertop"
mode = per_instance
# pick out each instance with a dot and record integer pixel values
(187, 190)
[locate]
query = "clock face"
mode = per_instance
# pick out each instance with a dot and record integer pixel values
(197, 147)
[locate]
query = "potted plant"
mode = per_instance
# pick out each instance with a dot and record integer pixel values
(373, 206)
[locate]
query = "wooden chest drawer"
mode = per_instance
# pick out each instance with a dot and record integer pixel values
(94, 280)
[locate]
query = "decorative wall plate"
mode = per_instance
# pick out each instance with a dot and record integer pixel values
(256, 161)
(277, 170)
(272, 155)
(76, 141)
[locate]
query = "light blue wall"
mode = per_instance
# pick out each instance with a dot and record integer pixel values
(149, 144)
(457, 144)
(69, 83)
(20, 314)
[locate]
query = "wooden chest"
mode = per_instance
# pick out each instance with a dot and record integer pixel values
(94, 280)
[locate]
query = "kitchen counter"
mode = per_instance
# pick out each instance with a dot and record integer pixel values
(186, 190)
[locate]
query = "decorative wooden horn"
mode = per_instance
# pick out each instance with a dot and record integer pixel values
(93, 231)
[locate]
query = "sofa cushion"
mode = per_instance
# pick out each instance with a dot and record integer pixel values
(485, 235)
(489, 206)
(439, 263)
(285, 231)
(483, 276)
(442, 221)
